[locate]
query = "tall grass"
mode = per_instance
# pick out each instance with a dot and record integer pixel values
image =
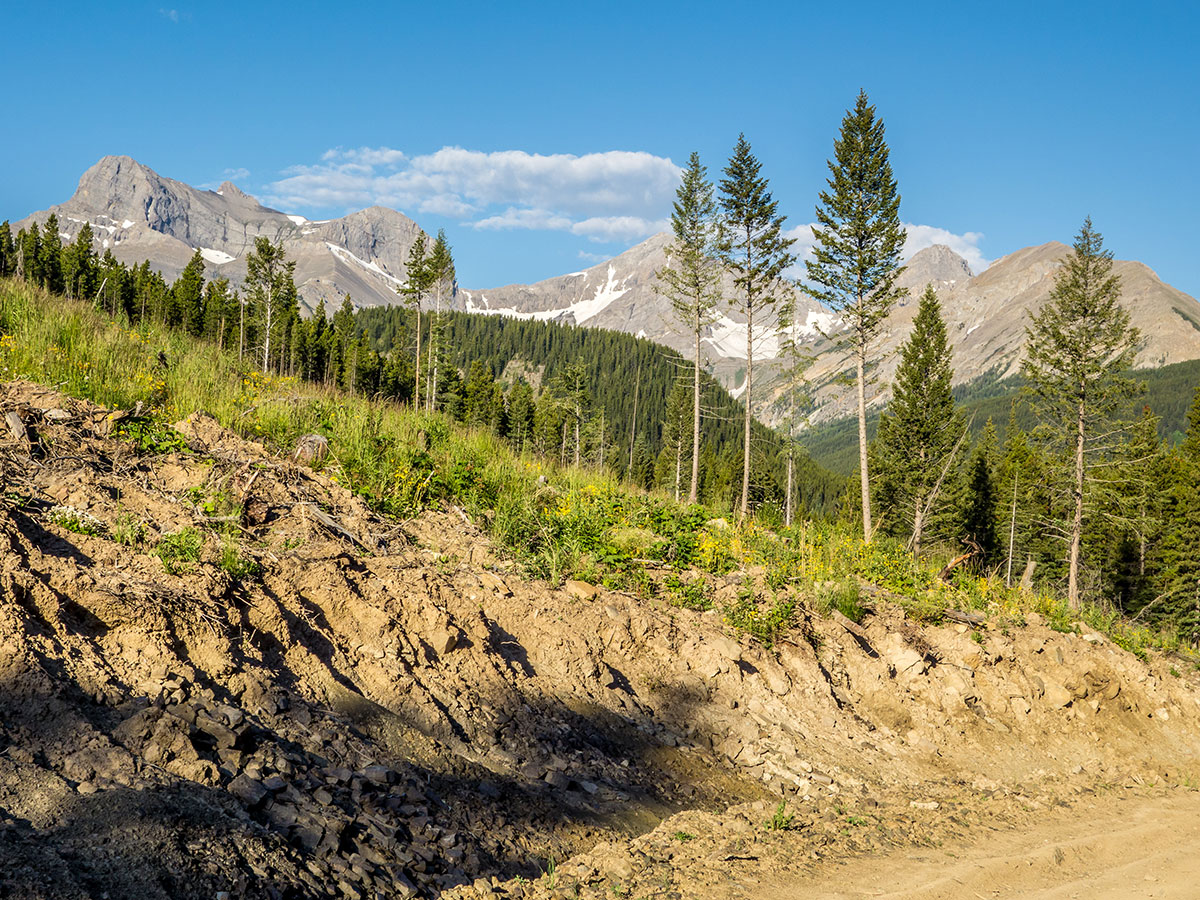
(558, 521)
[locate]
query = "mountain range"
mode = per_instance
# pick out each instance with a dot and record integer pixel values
(139, 214)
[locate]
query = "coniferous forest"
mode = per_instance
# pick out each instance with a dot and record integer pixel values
(1074, 476)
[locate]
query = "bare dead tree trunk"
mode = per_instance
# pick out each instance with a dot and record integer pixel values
(693, 492)
(1012, 531)
(637, 384)
(417, 378)
(1077, 521)
(745, 507)
(862, 436)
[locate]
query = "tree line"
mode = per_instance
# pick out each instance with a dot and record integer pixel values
(1081, 493)
(580, 396)
(1096, 500)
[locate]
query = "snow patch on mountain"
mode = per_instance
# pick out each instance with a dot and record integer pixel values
(346, 256)
(728, 338)
(216, 257)
(605, 294)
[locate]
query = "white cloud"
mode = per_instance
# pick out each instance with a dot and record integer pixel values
(171, 15)
(616, 195)
(365, 156)
(619, 228)
(966, 245)
(532, 219)
(917, 237)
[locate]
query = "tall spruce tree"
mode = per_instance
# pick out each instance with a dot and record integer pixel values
(79, 265)
(8, 254)
(978, 508)
(417, 281)
(1079, 347)
(755, 251)
(271, 289)
(1176, 557)
(442, 281)
(50, 256)
(856, 257)
(921, 431)
(28, 254)
(795, 356)
(186, 306)
(691, 279)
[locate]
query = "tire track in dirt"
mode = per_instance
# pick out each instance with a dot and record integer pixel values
(1120, 848)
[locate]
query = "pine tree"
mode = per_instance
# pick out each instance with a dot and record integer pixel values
(1176, 557)
(691, 280)
(186, 307)
(677, 445)
(442, 281)
(794, 358)
(28, 254)
(856, 257)
(754, 250)
(921, 431)
(50, 256)
(570, 389)
(520, 414)
(271, 289)
(1078, 348)
(978, 517)
(8, 254)
(218, 308)
(80, 266)
(417, 282)
(1136, 481)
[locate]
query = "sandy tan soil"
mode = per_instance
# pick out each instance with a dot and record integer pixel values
(389, 709)
(1116, 848)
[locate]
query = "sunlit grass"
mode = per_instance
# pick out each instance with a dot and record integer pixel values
(558, 522)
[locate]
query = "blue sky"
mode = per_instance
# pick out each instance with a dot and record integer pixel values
(543, 137)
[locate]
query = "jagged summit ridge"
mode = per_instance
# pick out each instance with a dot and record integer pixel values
(139, 215)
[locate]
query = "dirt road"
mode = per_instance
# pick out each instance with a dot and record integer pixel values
(1117, 848)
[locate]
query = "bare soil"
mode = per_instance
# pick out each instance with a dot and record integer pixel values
(388, 709)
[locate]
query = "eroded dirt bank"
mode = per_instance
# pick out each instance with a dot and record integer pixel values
(387, 709)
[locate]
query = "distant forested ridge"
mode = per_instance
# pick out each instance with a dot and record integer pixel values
(1169, 392)
(587, 397)
(618, 369)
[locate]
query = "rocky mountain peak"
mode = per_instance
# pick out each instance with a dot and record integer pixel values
(229, 189)
(937, 263)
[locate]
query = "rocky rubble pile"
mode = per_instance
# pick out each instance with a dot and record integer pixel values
(387, 709)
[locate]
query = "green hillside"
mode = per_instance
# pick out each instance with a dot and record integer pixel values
(1169, 392)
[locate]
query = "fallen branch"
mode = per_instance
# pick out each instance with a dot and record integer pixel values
(332, 524)
(975, 620)
(944, 575)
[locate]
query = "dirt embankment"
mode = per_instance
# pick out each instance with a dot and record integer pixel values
(381, 709)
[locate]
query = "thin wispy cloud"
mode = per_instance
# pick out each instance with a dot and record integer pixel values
(171, 15)
(611, 196)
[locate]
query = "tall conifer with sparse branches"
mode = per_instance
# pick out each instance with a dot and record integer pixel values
(269, 283)
(1078, 349)
(691, 279)
(856, 257)
(754, 250)
(441, 279)
(417, 282)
